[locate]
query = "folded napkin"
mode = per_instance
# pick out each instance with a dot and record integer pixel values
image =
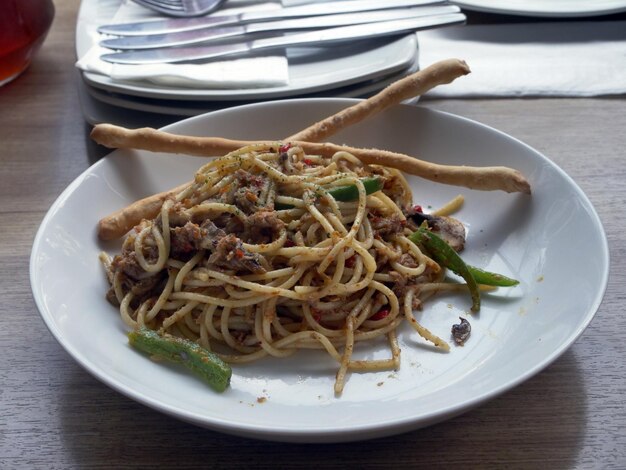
(256, 72)
(571, 58)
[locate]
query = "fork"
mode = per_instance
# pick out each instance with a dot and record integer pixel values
(181, 8)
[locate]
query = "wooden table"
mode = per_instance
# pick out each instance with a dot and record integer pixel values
(56, 415)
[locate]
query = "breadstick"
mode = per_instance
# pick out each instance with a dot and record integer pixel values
(416, 84)
(482, 178)
(154, 140)
(118, 223)
(488, 178)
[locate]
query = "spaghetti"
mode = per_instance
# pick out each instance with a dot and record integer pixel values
(265, 253)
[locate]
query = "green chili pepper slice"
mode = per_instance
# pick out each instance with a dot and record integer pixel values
(204, 363)
(351, 192)
(345, 193)
(488, 278)
(279, 206)
(443, 254)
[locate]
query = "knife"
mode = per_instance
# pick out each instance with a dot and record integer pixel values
(211, 34)
(314, 9)
(322, 36)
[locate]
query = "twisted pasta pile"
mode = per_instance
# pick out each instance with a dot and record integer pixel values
(270, 250)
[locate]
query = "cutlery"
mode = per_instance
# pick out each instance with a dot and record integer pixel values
(313, 9)
(322, 36)
(210, 34)
(181, 8)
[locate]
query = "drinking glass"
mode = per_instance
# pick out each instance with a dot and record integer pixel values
(24, 25)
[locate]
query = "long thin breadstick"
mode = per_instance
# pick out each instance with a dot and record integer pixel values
(118, 223)
(486, 178)
(147, 138)
(416, 84)
(482, 178)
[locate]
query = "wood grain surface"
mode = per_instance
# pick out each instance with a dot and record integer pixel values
(56, 415)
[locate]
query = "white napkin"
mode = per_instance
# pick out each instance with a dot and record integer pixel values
(573, 58)
(257, 72)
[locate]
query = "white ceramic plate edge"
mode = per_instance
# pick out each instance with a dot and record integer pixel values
(179, 109)
(542, 8)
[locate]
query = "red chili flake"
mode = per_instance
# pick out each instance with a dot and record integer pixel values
(283, 148)
(239, 253)
(317, 315)
(308, 161)
(289, 243)
(418, 208)
(382, 313)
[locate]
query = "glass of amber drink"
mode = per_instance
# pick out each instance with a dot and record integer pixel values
(24, 25)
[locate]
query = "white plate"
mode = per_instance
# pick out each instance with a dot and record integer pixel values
(97, 112)
(193, 108)
(537, 239)
(310, 70)
(547, 8)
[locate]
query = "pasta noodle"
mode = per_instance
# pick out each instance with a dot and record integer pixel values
(263, 254)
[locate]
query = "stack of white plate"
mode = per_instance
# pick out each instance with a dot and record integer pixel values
(357, 70)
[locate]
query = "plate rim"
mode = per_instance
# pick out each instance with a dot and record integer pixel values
(535, 8)
(327, 433)
(127, 102)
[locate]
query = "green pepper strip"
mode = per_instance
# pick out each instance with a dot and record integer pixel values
(345, 193)
(204, 363)
(445, 255)
(488, 278)
(351, 192)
